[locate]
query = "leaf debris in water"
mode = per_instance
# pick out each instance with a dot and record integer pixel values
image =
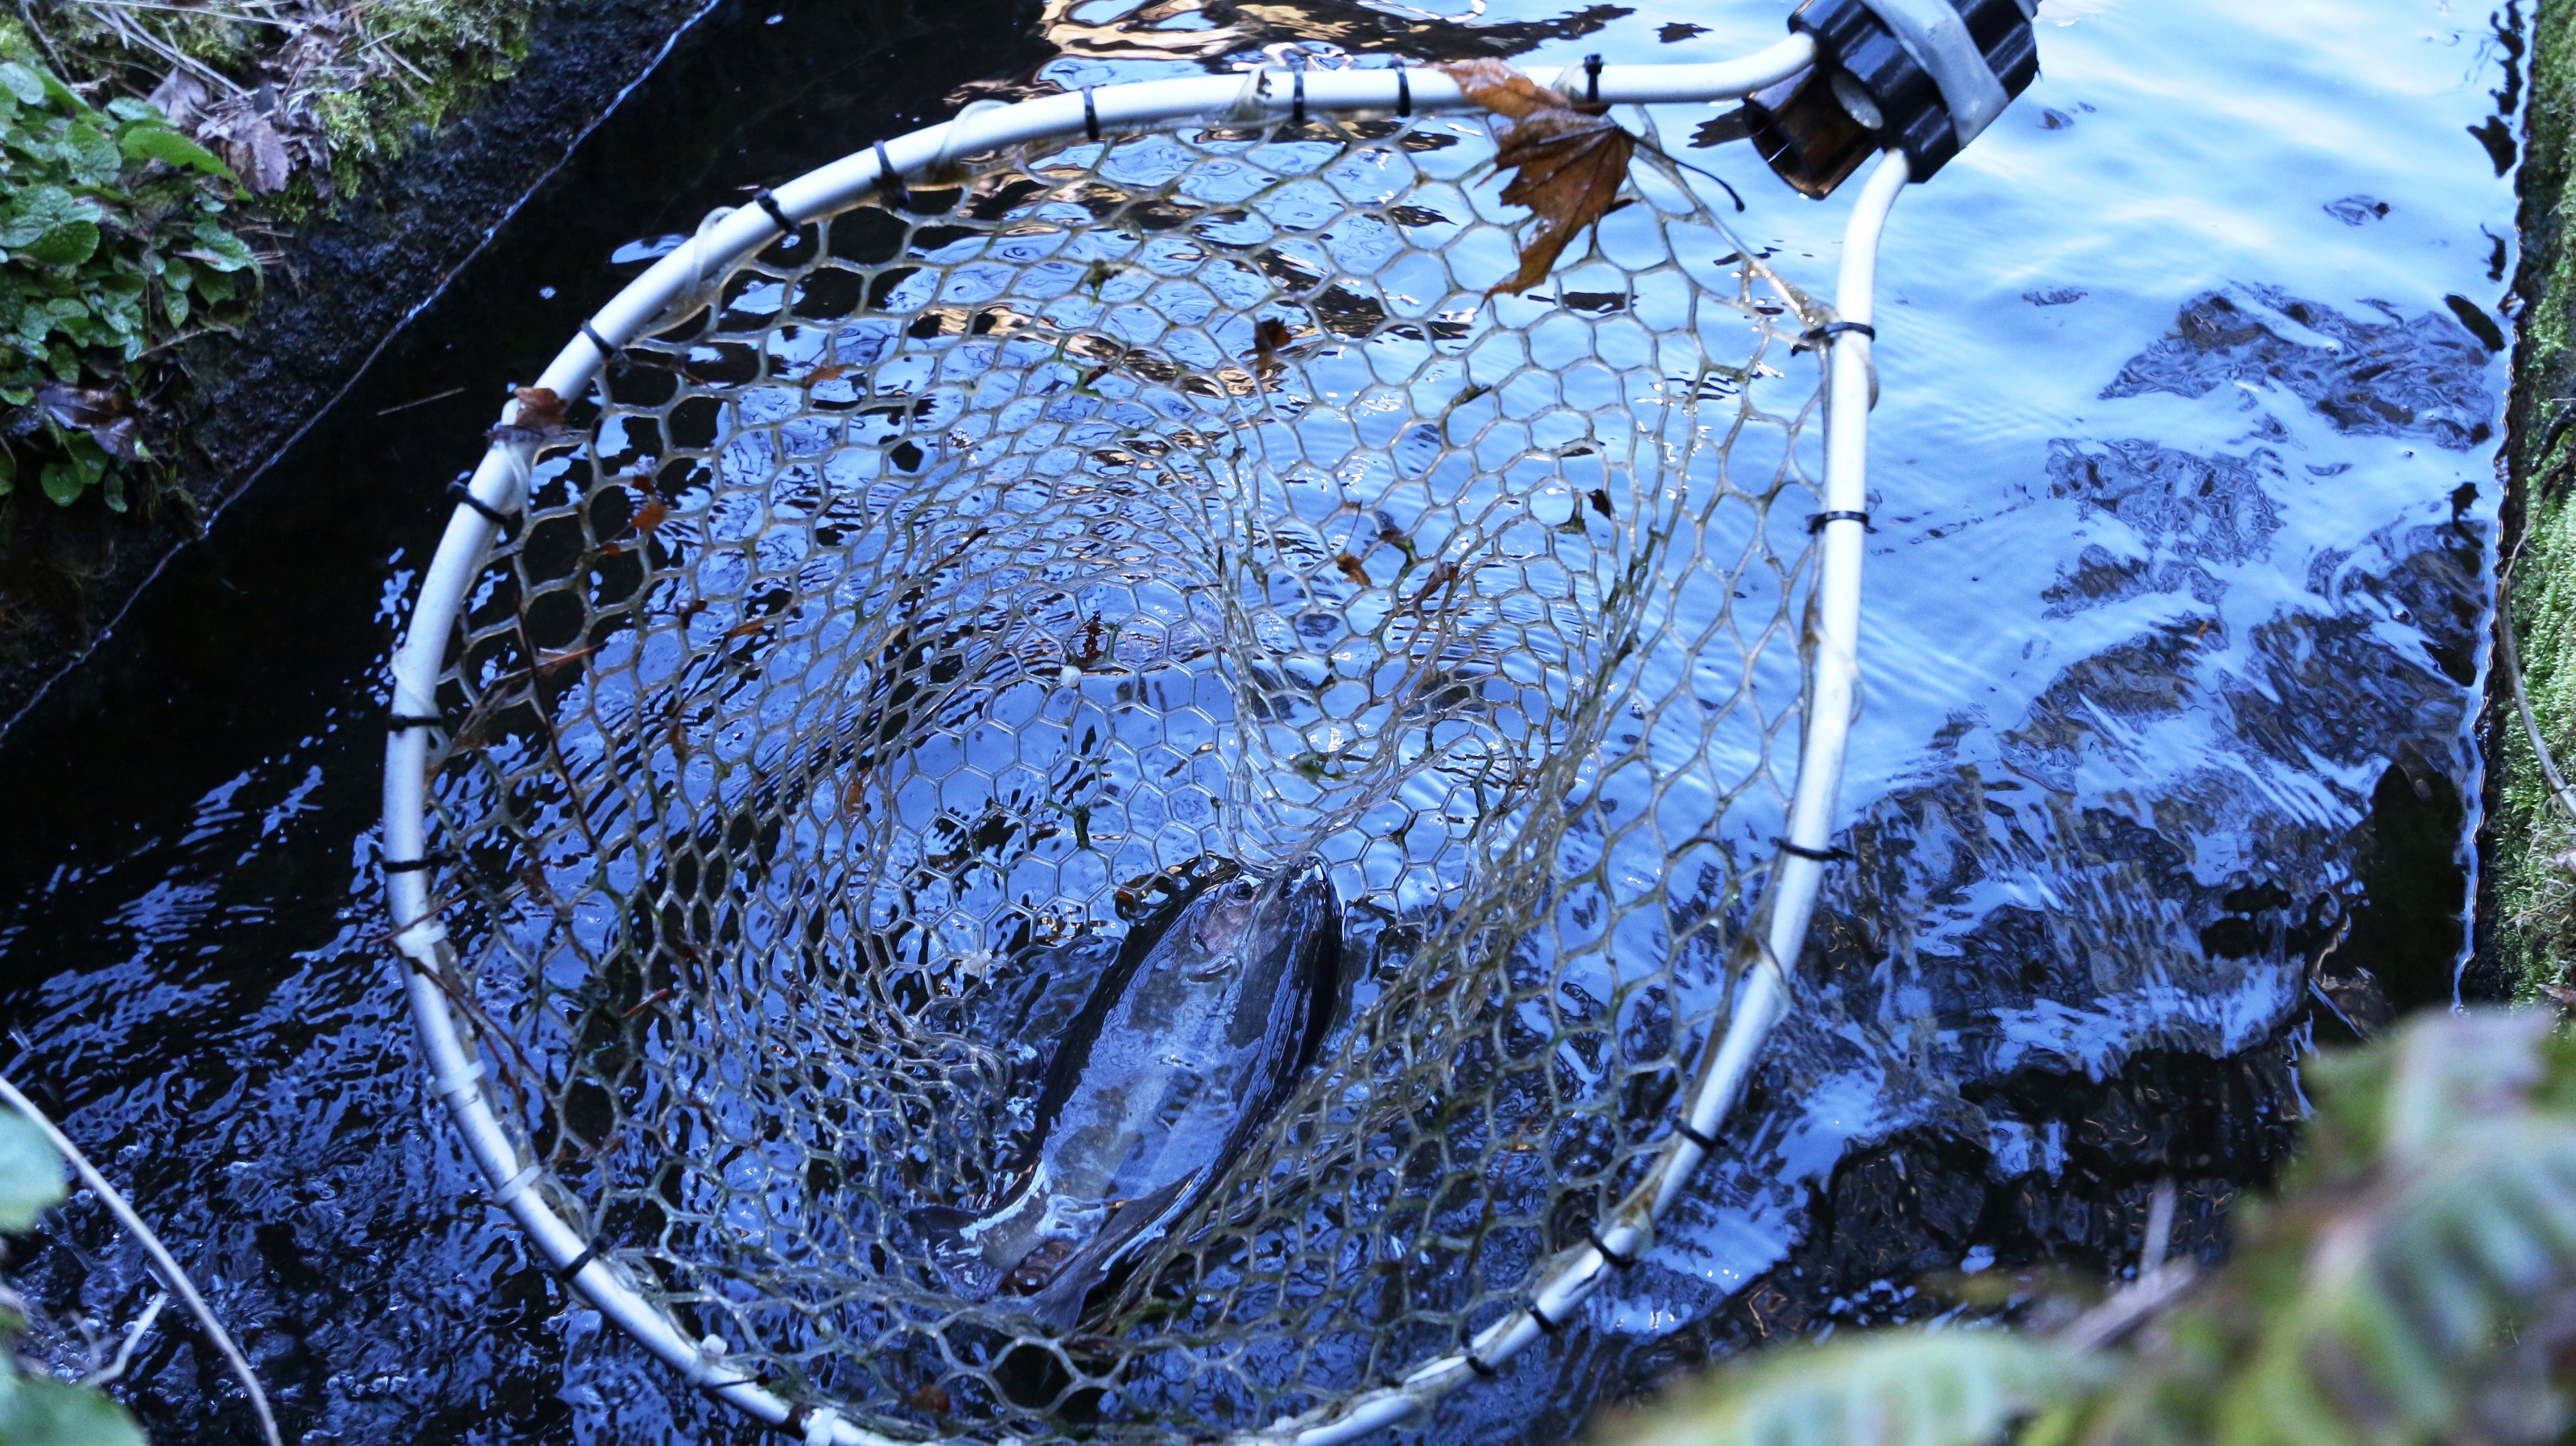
(1571, 160)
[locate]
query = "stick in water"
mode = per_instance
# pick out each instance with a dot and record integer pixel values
(163, 1262)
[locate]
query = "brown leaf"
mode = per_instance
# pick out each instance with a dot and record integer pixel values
(1500, 89)
(1269, 337)
(269, 169)
(180, 97)
(1353, 569)
(540, 418)
(109, 416)
(1571, 161)
(650, 517)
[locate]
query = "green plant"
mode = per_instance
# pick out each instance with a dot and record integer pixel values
(2414, 1282)
(36, 1409)
(114, 247)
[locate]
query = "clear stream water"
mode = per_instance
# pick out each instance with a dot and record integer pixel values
(2185, 496)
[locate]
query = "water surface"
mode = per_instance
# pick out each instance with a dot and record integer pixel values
(2185, 497)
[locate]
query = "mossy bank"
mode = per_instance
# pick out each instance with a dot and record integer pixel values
(2527, 904)
(361, 154)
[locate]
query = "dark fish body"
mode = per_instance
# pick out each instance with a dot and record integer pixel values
(1186, 1045)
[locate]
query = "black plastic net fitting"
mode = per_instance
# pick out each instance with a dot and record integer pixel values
(1891, 73)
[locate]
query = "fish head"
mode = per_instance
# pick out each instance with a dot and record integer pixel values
(1228, 913)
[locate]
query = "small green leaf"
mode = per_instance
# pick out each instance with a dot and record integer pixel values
(127, 108)
(38, 209)
(21, 82)
(41, 1411)
(152, 143)
(31, 1174)
(220, 248)
(67, 479)
(69, 244)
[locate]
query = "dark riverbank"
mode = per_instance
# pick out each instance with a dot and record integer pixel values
(342, 286)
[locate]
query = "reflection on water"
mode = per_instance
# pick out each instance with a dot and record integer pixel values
(2184, 498)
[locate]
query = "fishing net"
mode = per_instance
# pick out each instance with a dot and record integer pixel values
(977, 570)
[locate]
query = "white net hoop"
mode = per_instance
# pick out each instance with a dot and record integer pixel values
(1149, 493)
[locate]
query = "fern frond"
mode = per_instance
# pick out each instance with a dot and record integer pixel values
(2415, 1292)
(1908, 1388)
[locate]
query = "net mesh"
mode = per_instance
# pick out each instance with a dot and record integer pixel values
(981, 568)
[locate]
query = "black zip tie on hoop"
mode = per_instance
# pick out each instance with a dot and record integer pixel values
(1297, 100)
(463, 496)
(890, 181)
(570, 1268)
(607, 353)
(1707, 1143)
(1623, 1262)
(1816, 520)
(1546, 1325)
(1592, 80)
(1825, 334)
(1475, 1362)
(1822, 856)
(712, 1389)
(1403, 93)
(1090, 115)
(412, 866)
(404, 722)
(767, 202)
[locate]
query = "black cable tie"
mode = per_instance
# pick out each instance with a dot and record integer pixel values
(1816, 520)
(607, 353)
(1592, 80)
(1705, 1142)
(1824, 335)
(1403, 92)
(1297, 100)
(410, 866)
(1090, 115)
(767, 202)
(1477, 1364)
(1623, 1262)
(1822, 856)
(570, 1268)
(401, 722)
(1539, 1318)
(463, 496)
(890, 181)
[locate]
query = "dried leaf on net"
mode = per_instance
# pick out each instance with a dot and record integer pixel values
(540, 418)
(1572, 161)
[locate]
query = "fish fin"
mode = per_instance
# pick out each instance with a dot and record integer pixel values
(1138, 1222)
(942, 1220)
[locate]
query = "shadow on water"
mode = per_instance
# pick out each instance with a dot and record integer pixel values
(2077, 948)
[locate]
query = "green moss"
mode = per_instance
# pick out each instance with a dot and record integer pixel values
(341, 87)
(2535, 895)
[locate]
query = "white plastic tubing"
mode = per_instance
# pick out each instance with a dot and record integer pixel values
(676, 285)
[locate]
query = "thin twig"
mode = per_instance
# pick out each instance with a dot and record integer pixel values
(2559, 793)
(2161, 1281)
(134, 1334)
(165, 1265)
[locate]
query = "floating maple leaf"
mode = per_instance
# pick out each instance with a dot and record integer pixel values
(1572, 160)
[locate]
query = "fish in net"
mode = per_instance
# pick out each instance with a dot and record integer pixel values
(959, 590)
